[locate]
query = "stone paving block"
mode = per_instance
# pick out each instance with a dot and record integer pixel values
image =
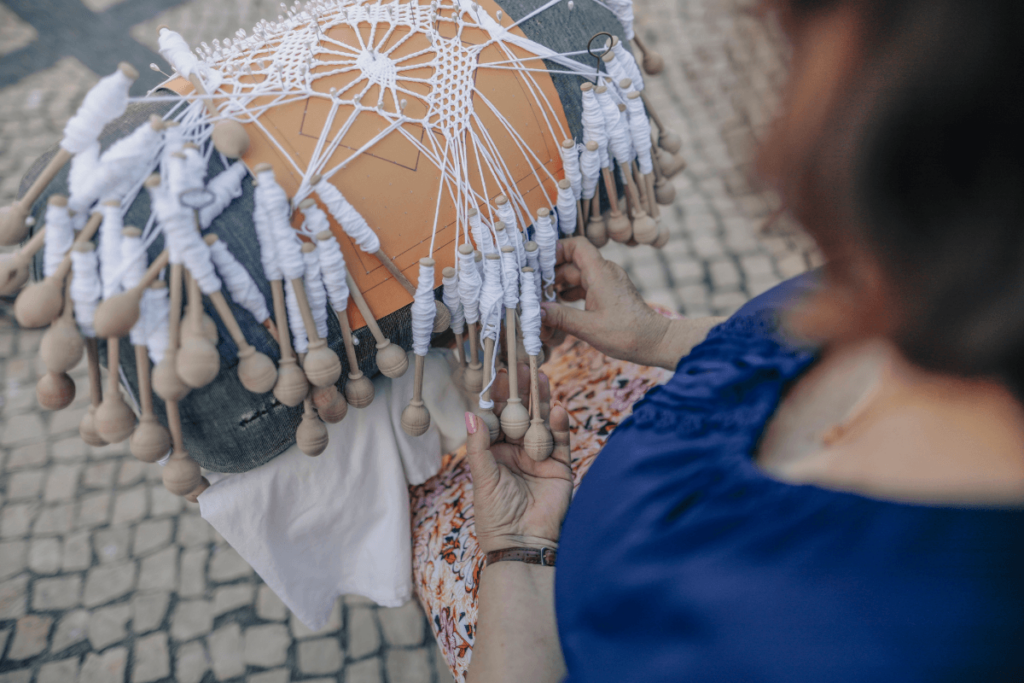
(269, 606)
(160, 570)
(228, 598)
(191, 618)
(191, 663)
(151, 535)
(25, 485)
(60, 593)
(71, 449)
(402, 626)
(149, 610)
(111, 450)
(275, 676)
(686, 270)
(93, 510)
(131, 505)
(21, 430)
(112, 544)
(107, 625)
(77, 552)
(193, 530)
(99, 475)
(72, 628)
(4, 635)
(16, 520)
(26, 457)
(13, 558)
(64, 671)
(363, 634)
(300, 631)
(227, 565)
(20, 676)
(267, 645)
(132, 472)
(44, 556)
(152, 659)
(193, 572)
(61, 483)
(366, 671)
(163, 502)
(109, 582)
(30, 636)
(106, 668)
(408, 666)
(226, 650)
(319, 656)
(724, 274)
(65, 422)
(14, 597)
(53, 520)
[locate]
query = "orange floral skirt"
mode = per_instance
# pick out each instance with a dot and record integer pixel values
(598, 392)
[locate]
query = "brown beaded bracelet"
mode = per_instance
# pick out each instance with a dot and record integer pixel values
(545, 557)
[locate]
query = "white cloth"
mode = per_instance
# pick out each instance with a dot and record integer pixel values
(338, 524)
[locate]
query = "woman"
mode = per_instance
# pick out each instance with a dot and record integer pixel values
(844, 512)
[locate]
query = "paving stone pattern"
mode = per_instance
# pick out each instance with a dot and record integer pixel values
(104, 576)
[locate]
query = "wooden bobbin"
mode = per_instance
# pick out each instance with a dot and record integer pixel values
(291, 385)
(40, 303)
(487, 415)
(62, 345)
(670, 164)
(116, 316)
(391, 360)
(229, 137)
(668, 139)
(653, 62)
(416, 417)
(644, 229)
(256, 371)
(114, 419)
(150, 441)
(571, 144)
(473, 377)
(515, 419)
(330, 404)
(55, 391)
(460, 350)
(442, 316)
(538, 443)
(664, 191)
(14, 269)
(311, 435)
(166, 382)
(197, 361)
(87, 427)
(181, 475)
(322, 365)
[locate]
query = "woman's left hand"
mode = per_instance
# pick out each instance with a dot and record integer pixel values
(517, 501)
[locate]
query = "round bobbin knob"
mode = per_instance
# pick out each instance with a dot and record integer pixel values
(473, 379)
(292, 385)
(230, 138)
(39, 304)
(62, 346)
(330, 404)
(664, 191)
(670, 164)
(538, 443)
(114, 420)
(415, 419)
(653, 63)
(311, 436)
(12, 223)
(256, 371)
(322, 365)
(87, 429)
(197, 362)
(392, 361)
(619, 227)
(181, 474)
(359, 390)
(116, 316)
(670, 141)
(55, 391)
(515, 419)
(662, 240)
(150, 441)
(645, 230)
(166, 382)
(491, 420)
(13, 273)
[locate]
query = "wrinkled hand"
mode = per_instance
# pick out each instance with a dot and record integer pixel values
(518, 502)
(616, 321)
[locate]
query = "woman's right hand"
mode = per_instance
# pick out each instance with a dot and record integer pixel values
(615, 321)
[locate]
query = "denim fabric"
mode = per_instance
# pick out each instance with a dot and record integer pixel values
(226, 428)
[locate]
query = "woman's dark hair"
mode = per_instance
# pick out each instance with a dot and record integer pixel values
(923, 163)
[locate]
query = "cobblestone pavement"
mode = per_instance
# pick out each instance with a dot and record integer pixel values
(104, 576)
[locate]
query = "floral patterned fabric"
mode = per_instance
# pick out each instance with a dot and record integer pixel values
(598, 392)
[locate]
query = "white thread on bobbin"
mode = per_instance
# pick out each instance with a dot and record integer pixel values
(547, 241)
(566, 211)
(619, 143)
(351, 221)
(183, 240)
(533, 261)
(110, 249)
(316, 294)
(594, 126)
(85, 289)
(239, 283)
(155, 311)
(510, 273)
(226, 187)
(106, 101)
(84, 166)
(300, 342)
(507, 215)
(450, 296)
(590, 170)
(623, 10)
(133, 262)
(469, 287)
(491, 305)
(640, 132)
(333, 271)
(265, 213)
(58, 239)
(626, 59)
(178, 54)
(571, 165)
(529, 318)
(481, 233)
(124, 164)
(423, 310)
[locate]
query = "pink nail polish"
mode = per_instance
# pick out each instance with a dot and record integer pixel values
(471, 423)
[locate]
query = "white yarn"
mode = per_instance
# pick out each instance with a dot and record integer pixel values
(84, 166)
(640, 132)
(423, 310)
(507, 215)
(239, 283)
(594, 126)
(184, 243)
(124, 165)
(481, 235)
(110, 249)
(185, 174)
(59, 237)
(566, 211)
(544, 235)
(85, 289)
(625, 58)
(226, 187)
(333, 271)
(619, 142)
(616, 69)
(316, 294)
(300, 342)
(533, 261)
(510, 273)
(491, 306)
(529, 317)
(590, 169)
(133, 256)
(623, 10)
(571, 165)
(469, 287)
(104, 102)
(156, 311)
(178, 54)
(351, 221)
(450, 296)
(266, 212)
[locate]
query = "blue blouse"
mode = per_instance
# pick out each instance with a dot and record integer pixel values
(680, 560)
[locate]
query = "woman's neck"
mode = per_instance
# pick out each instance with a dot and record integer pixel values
(865, 420)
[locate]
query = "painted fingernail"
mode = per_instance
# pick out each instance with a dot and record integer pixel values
(471, 423)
